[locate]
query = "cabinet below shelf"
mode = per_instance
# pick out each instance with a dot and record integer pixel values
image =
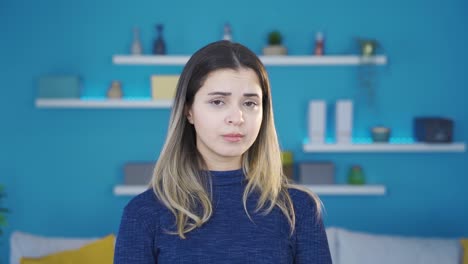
(386, 147)
(337, 189)
(105, 103)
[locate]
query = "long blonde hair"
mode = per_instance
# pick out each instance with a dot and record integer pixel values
(178, 180)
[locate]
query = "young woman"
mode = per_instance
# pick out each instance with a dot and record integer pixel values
(218, 191)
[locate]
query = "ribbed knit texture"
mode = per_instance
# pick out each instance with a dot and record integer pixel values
(228, 237)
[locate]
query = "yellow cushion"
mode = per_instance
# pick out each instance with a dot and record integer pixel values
(464, 243)
(98, 252)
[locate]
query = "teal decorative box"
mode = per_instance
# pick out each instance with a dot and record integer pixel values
(59, 86)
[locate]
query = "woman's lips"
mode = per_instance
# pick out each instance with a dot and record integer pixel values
(233, 137)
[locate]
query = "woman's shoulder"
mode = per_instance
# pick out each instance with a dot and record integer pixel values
(144, 204)
(303, 198)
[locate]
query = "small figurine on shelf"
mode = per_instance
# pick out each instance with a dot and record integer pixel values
(227, 35)
(136, 44)
(159, 46)
(319, 44)
(115, 90)
(275, 46)
(356, 175)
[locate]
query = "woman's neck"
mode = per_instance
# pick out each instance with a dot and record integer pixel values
(216, 162)
(226, 165)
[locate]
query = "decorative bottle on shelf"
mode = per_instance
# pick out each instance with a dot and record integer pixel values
(356, 175)
(227, 32)
(136, 44)
(115, 90)
(159, 46)
(319, 44)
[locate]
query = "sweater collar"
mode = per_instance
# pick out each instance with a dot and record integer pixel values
(227, 177)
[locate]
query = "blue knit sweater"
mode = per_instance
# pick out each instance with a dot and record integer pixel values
(228, 237)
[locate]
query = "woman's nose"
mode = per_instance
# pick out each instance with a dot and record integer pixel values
(235, 116)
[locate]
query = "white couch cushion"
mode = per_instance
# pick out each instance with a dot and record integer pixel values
(28, 245)
(363, 248)
(333, 243)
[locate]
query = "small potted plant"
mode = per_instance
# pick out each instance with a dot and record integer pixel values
(275, 47)
(368, 46)
(367, 73)
(3, 211)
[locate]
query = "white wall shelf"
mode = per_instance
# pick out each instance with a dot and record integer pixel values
(126, 190)
(386, 147)
(345, 189)
(267, 60)
(111, 103)
(338, 189)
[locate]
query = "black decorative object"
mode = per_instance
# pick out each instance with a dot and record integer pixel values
(159, 46)
(433, 129)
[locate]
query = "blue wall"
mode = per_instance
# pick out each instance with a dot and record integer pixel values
(60, 166)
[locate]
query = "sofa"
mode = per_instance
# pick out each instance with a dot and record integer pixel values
(56, 250)
(346, 247)
(351, 247)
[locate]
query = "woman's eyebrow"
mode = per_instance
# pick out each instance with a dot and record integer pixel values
(252, 95)
(220, 93)
(249, 95)
(227, 94)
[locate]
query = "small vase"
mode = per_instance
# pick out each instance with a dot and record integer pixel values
(136, 44)
(356, 176)
(159, 45)
(380, 134)
(115, 90)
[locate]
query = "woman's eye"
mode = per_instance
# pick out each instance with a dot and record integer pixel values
(217, 102)
(250, 104)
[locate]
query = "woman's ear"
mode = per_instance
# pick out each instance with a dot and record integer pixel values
(188, 114)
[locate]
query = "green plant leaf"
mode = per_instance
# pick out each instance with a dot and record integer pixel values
(3, 211)
(275, 38)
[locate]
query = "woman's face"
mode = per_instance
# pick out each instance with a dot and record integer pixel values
(227, 114)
